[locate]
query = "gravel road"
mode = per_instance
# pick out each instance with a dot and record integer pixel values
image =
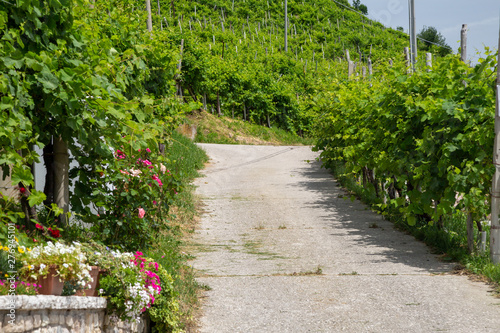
(283, 250)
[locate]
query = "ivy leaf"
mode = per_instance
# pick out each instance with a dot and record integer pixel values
(22, 174)
(36, 198)
(412, 220)
(47, 79)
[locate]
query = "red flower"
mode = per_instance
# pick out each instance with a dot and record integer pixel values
(38, 226)
(55, 233)
(22, 190)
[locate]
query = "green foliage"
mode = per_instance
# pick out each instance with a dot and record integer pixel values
(235, 55)
(427, 134)
(164, 313)
(95, 80)
(433, 41)
(133, 194)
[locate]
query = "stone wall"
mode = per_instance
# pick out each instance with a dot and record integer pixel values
(61, 314)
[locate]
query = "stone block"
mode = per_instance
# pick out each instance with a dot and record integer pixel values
(53, 317)
(101, 318)
(28, 323)
(37, 320)
(77, 327)
(69, 318)
(62, 330)
(15, 327)
(45, 318)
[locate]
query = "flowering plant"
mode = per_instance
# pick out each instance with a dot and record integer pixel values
(132, 193)
(130, 281)
(21, 287)
(69, 261)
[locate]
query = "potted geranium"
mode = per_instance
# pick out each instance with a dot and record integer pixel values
(53, 263)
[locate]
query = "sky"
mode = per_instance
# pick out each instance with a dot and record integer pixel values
(447, 16)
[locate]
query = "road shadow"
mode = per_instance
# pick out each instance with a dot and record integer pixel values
(366, 228)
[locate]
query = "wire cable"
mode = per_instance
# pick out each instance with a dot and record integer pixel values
(351, 9)
(428, 41)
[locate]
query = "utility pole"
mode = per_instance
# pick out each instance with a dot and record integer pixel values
(495, 190)
(413, 33)
(286, 26)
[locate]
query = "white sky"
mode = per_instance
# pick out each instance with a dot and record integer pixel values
(447, 16)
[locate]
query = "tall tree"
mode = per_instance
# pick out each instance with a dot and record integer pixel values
(356, 4)
(363, 9)
(431, 40)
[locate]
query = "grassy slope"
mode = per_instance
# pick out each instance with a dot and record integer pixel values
(213, 129)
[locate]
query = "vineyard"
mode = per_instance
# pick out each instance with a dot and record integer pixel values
(422, 143)
(107, 83)
(86, 71)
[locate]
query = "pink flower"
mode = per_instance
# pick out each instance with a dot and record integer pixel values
(142, 212)
(155, 177)
(146, 162)
(138, 253)
(148, 150)
(154, 202)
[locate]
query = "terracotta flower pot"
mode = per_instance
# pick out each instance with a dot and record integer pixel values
(92, 291)
(50, 284)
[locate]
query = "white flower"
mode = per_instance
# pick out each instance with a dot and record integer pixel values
(135, 173)
(66, 265)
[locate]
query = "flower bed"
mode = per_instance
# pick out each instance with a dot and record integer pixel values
(129, 282)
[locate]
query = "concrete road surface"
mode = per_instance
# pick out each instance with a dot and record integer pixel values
(284, 251)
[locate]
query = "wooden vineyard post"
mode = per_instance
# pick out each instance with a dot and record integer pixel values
(470, 221)
(495, 191)
(179, 66)
(428, 61)
(407, 59)
(463, 43)
(150, 20)
(286, 26)
(350, 65)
